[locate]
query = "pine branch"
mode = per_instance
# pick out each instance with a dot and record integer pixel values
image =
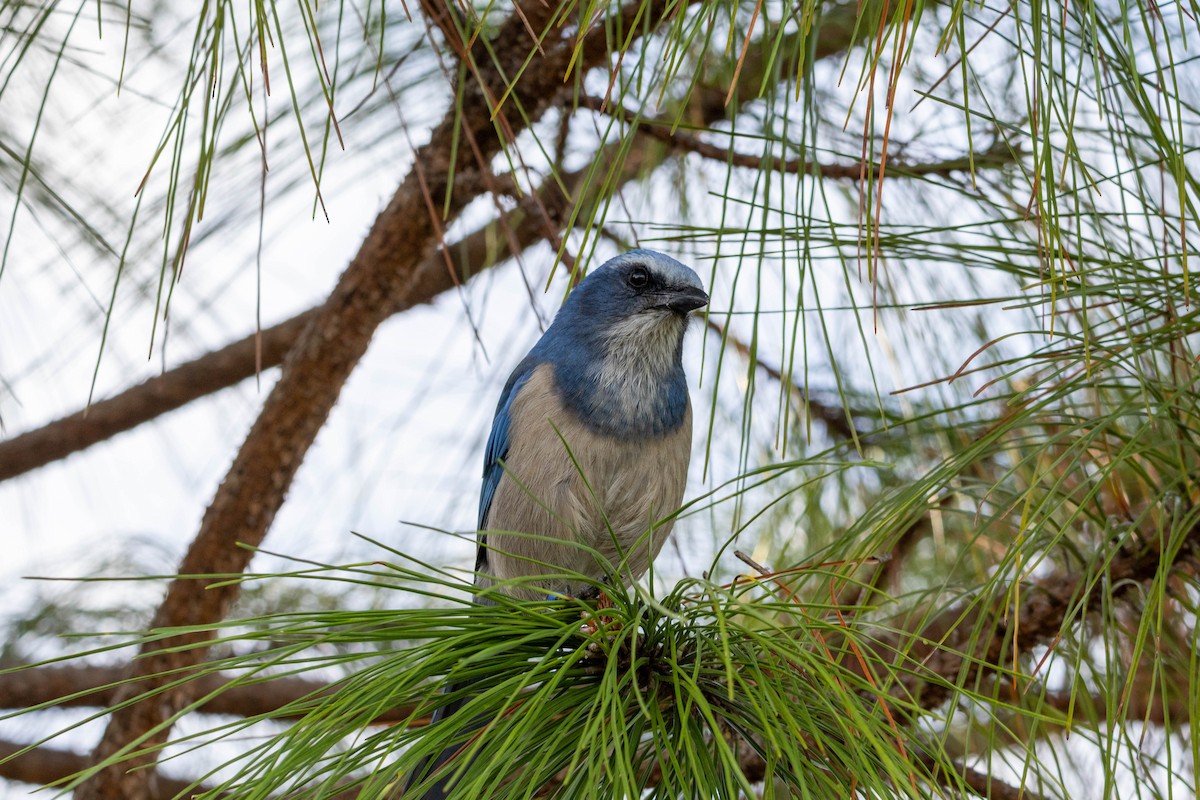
(979, 636)
(998, 155)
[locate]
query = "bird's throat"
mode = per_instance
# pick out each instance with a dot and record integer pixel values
(637, 388)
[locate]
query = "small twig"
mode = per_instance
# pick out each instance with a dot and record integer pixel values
(750, 562)
(997, 155)
(439, 15)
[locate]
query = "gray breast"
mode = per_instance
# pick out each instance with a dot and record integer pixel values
(581, 495)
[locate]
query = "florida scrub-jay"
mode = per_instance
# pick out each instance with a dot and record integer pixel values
(591, 439)
(593, 430)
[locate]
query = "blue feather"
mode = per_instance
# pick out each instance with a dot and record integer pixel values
(497, 445)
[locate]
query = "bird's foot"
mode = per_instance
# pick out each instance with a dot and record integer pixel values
(589, 593)
(594, 621)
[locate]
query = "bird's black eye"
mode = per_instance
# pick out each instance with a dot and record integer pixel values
(639, 278)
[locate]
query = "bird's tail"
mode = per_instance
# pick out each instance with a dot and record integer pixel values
(433, 764)
(439, 764)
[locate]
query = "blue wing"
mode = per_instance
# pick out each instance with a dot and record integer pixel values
(497, 446)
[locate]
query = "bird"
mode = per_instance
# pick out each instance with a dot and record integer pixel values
(588, 454)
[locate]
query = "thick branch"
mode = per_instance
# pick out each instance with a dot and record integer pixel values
(965, 640)
(210, 373)
(82, 686)
(48, 765)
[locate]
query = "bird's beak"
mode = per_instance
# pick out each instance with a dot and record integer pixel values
(685, 299)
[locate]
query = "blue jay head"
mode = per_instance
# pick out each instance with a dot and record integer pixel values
(617, 344)
(638, 282)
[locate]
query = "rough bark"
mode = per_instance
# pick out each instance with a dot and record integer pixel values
(86, 687)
